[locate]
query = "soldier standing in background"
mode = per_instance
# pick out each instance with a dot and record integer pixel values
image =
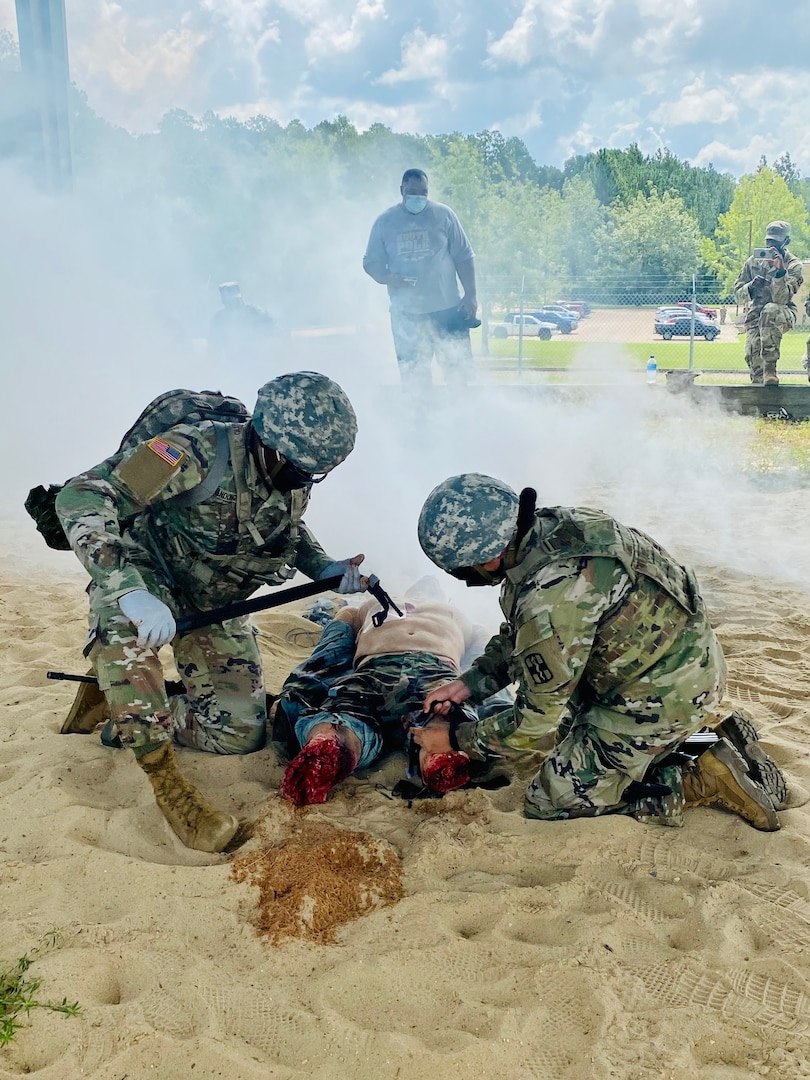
(240, 331)
(769, 284)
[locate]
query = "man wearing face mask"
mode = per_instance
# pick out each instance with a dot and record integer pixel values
(419, 250)
(611, 648)
(155, 552)
(767, 285)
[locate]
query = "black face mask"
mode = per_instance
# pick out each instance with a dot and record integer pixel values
(290, 478)
(476, 575)
(283, 475)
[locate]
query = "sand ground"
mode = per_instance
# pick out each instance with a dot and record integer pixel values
(583, 950)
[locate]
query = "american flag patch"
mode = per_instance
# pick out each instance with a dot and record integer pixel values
(166, 451)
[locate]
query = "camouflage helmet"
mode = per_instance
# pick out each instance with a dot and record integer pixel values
(778, 231)
(307, 418)
(467, 520)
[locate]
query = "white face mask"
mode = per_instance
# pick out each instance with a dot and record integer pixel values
(415, 204)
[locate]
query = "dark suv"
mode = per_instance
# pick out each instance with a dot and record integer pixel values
(565, 320)
(675, 322)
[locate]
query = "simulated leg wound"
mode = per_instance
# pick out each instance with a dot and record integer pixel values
(444, 772)
(315, 770)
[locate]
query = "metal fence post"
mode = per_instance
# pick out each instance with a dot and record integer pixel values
(520, 327)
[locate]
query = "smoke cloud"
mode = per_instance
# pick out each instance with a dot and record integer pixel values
(103, 308)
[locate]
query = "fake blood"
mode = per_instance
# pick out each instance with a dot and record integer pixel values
(315, 770)
(445, 772)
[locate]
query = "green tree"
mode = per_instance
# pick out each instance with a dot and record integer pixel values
(652, 243)
(760, 197)
(621, 174)
(581, 218)
(787, 170)
(9, 52)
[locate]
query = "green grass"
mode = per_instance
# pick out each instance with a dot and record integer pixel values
(708, 355)
(779, 446)
(18, 991)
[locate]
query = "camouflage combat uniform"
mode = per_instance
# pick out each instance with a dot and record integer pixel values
(771, 311)
(609, 642)
(126, 522)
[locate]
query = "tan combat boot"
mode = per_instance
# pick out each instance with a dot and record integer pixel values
(769, 376)
(720, 778)
(89, 709)
(762, 769)
(192, 819)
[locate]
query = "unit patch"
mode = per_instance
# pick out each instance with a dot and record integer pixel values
(537, 669)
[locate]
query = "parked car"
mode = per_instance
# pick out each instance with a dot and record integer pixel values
(565, 320)
(581, 307)
(532, 327)
(710, 312)
(676, 322)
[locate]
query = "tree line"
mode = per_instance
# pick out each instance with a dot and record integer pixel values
(610, 226)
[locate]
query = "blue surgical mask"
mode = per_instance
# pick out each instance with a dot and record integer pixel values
(415, 204)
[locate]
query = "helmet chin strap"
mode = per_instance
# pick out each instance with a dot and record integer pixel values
(267, 470)
(526, 508)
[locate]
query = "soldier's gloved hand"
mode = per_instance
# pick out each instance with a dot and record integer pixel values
(155, 622)
(758, 285)
(349, 568)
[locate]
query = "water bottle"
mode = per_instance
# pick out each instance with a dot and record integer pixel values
(652, 371)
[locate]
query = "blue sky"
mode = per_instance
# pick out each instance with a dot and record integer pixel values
(714, 81)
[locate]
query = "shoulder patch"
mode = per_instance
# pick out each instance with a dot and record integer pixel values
(147, 470)
(165, 450)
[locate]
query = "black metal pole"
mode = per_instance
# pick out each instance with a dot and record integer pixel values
(258, 603)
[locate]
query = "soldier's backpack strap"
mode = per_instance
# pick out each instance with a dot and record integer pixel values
(216, 474)
(244, 499)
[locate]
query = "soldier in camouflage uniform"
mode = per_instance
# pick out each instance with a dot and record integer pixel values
(767, 287)
(154, 555)
(609, 643)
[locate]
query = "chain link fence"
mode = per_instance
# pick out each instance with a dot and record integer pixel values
(602, 332)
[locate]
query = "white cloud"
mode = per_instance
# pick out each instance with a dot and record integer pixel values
(698, 105)
(518, 45)
(342, 34)
(244, 19)
(135, 53)
(423, 57)
(401, 118)
(735, 159)
(565, 75)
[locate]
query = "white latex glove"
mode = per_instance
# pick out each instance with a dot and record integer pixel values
(154, 620)
(349, 568)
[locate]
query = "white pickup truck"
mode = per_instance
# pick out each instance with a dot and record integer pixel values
(532, 327)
